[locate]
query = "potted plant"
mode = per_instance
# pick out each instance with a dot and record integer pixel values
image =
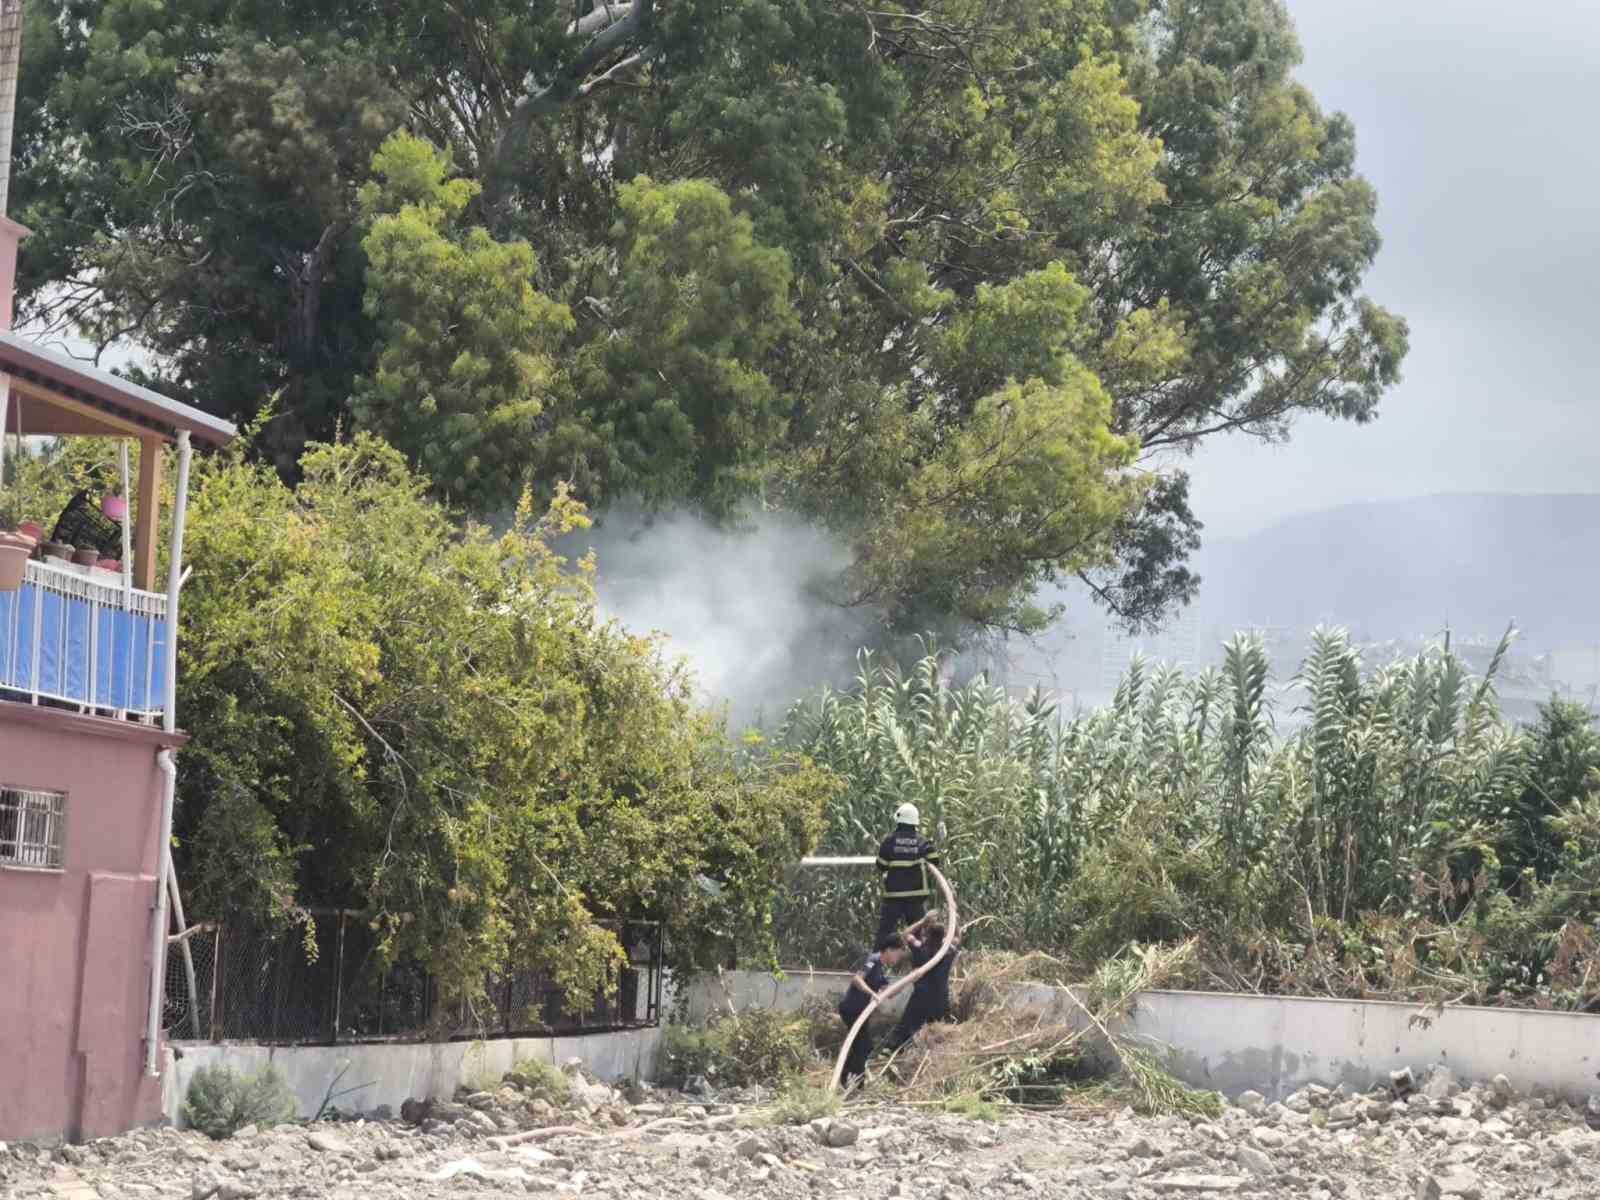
(58, 550)
(15, 544)
(86, 556)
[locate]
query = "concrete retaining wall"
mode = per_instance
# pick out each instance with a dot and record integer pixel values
(1271, 1044)
(390, 1074)
(1277, 1044)
(738, 990)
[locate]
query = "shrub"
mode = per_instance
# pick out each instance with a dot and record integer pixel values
(802, 1100)
(759, 1046)
(1402, 839)
(538, 1076)
(974, 1107)
(220, 1102)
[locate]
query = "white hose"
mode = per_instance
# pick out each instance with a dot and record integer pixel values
(166, 761)
(901, 984)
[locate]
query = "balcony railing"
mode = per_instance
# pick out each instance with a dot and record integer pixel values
(76, 637)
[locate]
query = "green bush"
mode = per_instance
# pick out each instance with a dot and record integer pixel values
(220, 1102)
(1402, 840)
(802, 1100)
(537, 1076)
(974, 1107)
(759, 1046)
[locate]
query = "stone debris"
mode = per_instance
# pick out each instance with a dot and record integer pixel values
(1400, 1141)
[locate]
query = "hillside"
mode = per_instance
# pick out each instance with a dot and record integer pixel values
(1400, 567)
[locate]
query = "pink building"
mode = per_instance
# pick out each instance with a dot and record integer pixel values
(87, 735)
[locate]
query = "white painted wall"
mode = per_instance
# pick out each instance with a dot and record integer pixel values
(1272, 1044)
(1277, 1044)
(395, 1072)
(736, 991)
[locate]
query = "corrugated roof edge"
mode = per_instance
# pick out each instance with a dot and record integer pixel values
(30, 360)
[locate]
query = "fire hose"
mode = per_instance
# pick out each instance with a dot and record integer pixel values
(904, 982)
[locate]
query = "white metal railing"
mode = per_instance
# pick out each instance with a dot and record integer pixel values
(31, 828)
(79, 636)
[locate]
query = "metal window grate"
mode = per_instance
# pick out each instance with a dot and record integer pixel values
(31, 829)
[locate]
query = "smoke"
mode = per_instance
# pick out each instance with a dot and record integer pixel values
(751, 607)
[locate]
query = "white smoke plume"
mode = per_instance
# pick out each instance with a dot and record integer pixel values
(748, 607)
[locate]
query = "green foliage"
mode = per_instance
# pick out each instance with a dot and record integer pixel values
(220, 1102)
(756, 1046)
(467, 342)
(1565, 770)
(432, 726)
(941, 277)
(801, 1101)
(1149, 1089)
(1033, 1080)
(974, 1107)
(538, 1076)
(1403, 839)
(676, 399)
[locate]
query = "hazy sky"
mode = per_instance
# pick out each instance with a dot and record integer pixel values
(1479, 123)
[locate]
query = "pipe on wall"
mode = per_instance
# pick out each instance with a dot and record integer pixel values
(158, 931)
(167, 762)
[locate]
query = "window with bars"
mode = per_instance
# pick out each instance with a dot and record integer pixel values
(31, 828)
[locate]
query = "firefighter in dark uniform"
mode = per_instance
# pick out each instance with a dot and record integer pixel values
(867, 983)
(930, 995)
(903, 859)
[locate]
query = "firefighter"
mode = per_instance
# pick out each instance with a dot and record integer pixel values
(930, 995)
(865, 985)
(903, 859)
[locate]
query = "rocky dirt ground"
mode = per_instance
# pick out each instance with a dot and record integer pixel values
(1430, 1142)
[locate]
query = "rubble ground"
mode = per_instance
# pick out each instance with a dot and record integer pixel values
(1428, 1142)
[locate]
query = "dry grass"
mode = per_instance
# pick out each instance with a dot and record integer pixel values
(1056, 1044)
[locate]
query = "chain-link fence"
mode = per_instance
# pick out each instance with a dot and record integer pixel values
(324, 983)
(191, 973)
(824, 918)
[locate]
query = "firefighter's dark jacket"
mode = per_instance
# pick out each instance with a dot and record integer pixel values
(902, 858)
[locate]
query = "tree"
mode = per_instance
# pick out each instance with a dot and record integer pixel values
(466, 343)
(434, 728)
(807, 252)
(1565, 759)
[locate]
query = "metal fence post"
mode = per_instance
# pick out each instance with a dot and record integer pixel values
(219, 983)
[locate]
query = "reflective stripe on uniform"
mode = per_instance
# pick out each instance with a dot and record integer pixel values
(905, 895)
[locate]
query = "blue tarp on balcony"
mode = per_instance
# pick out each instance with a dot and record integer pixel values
(63, 647)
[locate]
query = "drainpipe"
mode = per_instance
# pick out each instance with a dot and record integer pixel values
(10, 59)
(158, 931)
(166, 761)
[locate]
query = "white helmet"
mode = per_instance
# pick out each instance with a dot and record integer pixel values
(907, 814)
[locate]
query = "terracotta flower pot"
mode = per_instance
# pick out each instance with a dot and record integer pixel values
(114, 506)
(33, 529)
(58, 550)
(15, 546)
(86, 557)
(109, 564)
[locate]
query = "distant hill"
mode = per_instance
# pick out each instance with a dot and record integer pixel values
(1398, 567)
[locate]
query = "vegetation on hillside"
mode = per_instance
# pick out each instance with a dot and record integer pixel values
(1405, 841)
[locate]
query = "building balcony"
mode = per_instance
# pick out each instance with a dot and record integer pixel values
(81, 639)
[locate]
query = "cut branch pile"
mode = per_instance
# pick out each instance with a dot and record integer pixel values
(1009, 1037)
